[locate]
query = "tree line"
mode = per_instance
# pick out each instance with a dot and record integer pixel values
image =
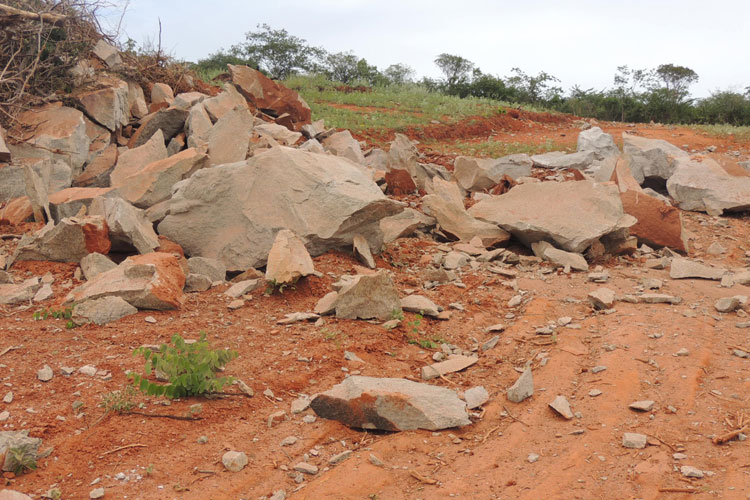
(661, 94)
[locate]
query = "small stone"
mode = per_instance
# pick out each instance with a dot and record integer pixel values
(236, 304)
(564, 321)
(306, 468)
(598, 369)
(87, 370)
(740, 353)
(682, 352)
(523, 388)
(202, 440)
(491, 343)
(515, 301)
(288, 441)
(376, 461)
(45, 374)
(273, 416)
(679, 456)
(300, 404)
(309, 419)
(278, 495)
(150, 319)
(476, 397)
(96, 493)
(690, 471)
(715, 248)
(594, 393)
(234, 461)
(533, 457)
(5, 415)
(727, 304)
(337, 459)
(645, 405)
(633, 440)
(560, 405)
(8, 397)
(350, 356)
(602, 298)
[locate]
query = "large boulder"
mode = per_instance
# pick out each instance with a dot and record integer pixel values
(197, 127)
(224, 102)
(573, 215)
(170, 121)
(108, 106)
(54, 132)
(391, 404)
(128, 226)
(233, 212)
(659, 223)
(151, 281)
(446, 205)
(478, 174)
(153, 183)
(270, 97)
(54, 174)
(99, 169)
(69, 241)
(69, 202)
(368, 296)
(651, 158)
(404, 224)
(705, 186)
(598, 141)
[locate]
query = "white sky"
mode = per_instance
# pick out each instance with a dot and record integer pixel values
(579, 42)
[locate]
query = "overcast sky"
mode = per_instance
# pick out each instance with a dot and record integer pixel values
(580, 42)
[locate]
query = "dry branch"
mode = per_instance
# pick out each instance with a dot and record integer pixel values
(47, 17)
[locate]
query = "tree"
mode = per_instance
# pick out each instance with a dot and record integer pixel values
(342, 67)
(677, 80)
(279, 53)
(398, 74)
(534, 89)
(455, 68)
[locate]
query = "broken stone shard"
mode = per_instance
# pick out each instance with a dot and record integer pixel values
(288, 260)
(391, 404)
(523, 388)
(368, 296)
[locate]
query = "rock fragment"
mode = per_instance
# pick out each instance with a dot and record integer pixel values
(634, 440)
(523, 388)
(234, 461)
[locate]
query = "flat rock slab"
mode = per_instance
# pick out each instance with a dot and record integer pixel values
(367, 297)
(602, 298)
(634, 440)
(571, 214)
(421, 305)
(288, 260)
(19, 293)
(561, 405)
(391, 404)
(685, 269)
(452, 364)
(645, 405)
(102, 311)
(476, 397)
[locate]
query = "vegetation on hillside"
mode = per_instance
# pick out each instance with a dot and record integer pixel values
(660, 94)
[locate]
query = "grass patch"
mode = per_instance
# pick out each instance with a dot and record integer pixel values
(723, 130)
(495, 149)
(391, 107)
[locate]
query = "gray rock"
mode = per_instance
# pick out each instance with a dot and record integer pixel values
(54, 176)
(367, 297)
(229, 138)
(340, 457)
(278, 495)
(421, 305)
(633, 440)
(131, 161)
(232, 212)
(96, 493)
(523, 388)
(601, 143)
(476, 397)
(169, 121)
(243, 287)
(454, 363)
(197, 283)
(645, 405)
(12, 494)
(478, 174)
(577, 161)
(344, 145)
(198, 126)
(12, 294)
(561, 405)
(572, 215)
(102, 311)
(690, 471)
(288, 260)
(300, 404)
(234, 461)
(94, 264)
(727, 304)
(455, 260)
(44, 293)
(362, 251)
(446, 205)
(17, 439)
(404, 224)
(107, 53)
(108, 106)
(5, 155)
(214, 269)
(602, 298)
(69, 241)
(659, 298)
(128, 226)
(546, 251)
(685, 269)
(327, 304)
(306, 468)
(651, 158)
(391, 404)
(705, 186)
(45, 373)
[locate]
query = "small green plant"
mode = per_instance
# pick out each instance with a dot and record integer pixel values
(397, 314)
(274, 286)
(190, 368)
(65, 314)
(414, 324)
(334, 336)
(149, 471)
(20, 460)
(122, 401)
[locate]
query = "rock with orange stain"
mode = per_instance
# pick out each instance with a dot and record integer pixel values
(151, 281)
(69, 241)
(391, 404)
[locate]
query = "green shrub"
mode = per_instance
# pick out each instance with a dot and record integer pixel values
(191, 369)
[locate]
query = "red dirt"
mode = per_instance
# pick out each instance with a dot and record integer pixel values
(579, 459)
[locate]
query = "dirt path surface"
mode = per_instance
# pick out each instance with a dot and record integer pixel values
(510, 451)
